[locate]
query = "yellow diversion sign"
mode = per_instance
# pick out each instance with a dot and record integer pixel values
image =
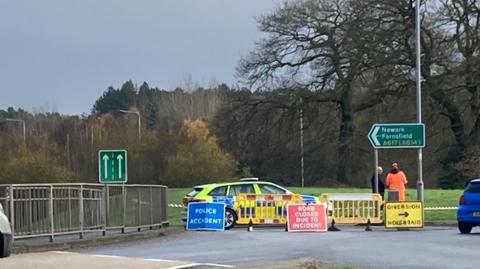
(403, 215)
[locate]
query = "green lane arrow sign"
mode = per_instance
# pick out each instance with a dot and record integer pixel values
(112, 166)
(397, 135)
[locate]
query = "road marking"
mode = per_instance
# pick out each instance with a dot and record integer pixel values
(192, 264)
(161, 260)
(218, 265)
(183, 266)
(108, 256)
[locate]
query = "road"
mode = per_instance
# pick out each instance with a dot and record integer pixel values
(428, 248)
(432, 247)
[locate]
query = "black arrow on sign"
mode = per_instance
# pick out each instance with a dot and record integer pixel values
(405, 214)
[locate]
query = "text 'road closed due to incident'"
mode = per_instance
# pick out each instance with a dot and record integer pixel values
(307, 218)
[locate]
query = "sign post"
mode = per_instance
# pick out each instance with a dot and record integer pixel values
(206, 216)
(112, 166)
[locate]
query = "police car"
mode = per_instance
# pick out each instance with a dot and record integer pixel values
(225, 193)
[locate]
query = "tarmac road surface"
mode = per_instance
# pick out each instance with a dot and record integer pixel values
(432, 247)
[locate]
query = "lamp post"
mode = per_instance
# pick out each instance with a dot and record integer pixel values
(23, 125)
(420, 185)
(139, 121)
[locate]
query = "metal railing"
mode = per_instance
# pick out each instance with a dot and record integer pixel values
(54, 209)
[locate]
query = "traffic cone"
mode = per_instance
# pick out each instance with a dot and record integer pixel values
(332, 227)
(368, 229)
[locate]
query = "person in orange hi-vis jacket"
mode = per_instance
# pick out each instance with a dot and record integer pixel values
(397, 180)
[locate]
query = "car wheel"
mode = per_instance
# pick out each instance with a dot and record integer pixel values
(464, 227)
(230, 218)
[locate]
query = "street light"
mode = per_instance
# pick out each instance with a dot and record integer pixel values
(139, 121)
(24, 129)
(418, 81)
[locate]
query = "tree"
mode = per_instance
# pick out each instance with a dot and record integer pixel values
(116, 99)
(450, 73)
(455, 83)
(41, 163)
(147, 104)
(323, 46)
(197, 158)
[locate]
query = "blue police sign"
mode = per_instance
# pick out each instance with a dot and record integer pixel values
(206, 216)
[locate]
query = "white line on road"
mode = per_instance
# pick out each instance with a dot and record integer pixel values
(183, 266)
(190, 264)
(155, 260)
(219, 265)
(108, 256)
(61, 252)
(160, 260)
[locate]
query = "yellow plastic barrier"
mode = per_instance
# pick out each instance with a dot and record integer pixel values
(353, 208)
(264, 208)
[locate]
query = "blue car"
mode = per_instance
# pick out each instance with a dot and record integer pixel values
(468, 213)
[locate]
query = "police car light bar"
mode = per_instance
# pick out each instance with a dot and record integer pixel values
(249, 179)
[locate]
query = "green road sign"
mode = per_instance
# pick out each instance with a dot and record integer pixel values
(112, 166)
(397, 135)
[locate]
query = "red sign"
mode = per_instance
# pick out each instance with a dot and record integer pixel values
(307, 218)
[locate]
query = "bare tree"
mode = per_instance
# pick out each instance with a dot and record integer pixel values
(328, 47)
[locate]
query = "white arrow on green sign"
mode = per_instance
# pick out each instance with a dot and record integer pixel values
(397, 135)
(112, 166)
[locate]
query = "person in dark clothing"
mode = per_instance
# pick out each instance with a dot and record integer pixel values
(381, 184)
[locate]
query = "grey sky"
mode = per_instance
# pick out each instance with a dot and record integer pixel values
(62, 54)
